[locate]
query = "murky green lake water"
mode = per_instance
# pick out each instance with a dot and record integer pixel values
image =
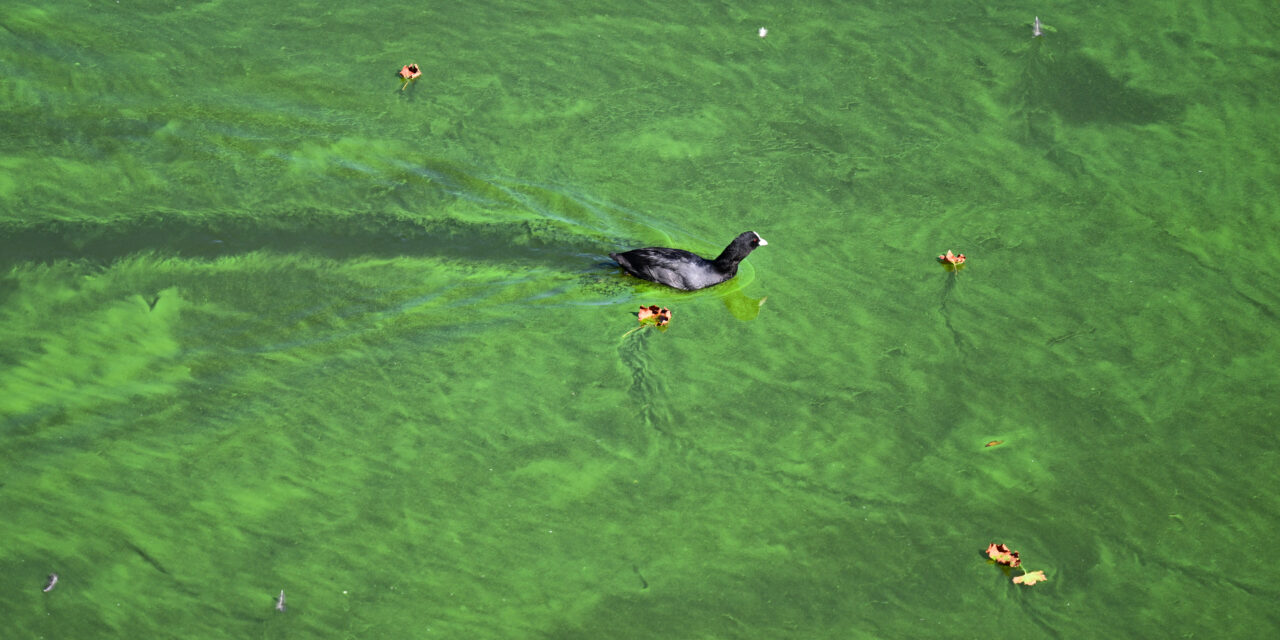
(269, 322)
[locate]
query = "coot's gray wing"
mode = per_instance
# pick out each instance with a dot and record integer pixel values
(673, 267)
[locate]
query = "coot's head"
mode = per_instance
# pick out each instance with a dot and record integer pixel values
(752, 238)
(741, 247)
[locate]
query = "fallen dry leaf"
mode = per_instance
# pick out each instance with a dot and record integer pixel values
(659, 315)
(1002, 555)
(1029, 578)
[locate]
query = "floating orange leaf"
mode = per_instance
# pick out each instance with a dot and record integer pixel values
(952, 261)
(994, 443)
(651, 316)
(1002, 555)
(1029, 578)
(653, 313)
(409, 73)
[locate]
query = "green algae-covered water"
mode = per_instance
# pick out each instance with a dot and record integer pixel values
(270, 323)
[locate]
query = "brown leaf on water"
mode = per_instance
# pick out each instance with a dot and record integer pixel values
(1029, 578)
(1002, 555)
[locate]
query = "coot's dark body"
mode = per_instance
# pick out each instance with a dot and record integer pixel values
(684, 270)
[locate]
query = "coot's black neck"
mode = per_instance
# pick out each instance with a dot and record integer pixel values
(728, 260)
(733, 254)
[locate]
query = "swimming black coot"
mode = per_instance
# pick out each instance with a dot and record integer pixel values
(683, 270)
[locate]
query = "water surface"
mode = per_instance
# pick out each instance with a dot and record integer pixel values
(270, 322)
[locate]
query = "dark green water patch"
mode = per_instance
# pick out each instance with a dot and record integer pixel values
(1086, 92)
(1082, 90)
(306, 232)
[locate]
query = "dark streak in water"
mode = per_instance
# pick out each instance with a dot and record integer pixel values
(145, 556)
(644, 584)
(1084, 331)
(952, 278)
(308, 233)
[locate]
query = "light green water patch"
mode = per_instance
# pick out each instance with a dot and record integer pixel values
(273, 323)
(79, 345)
